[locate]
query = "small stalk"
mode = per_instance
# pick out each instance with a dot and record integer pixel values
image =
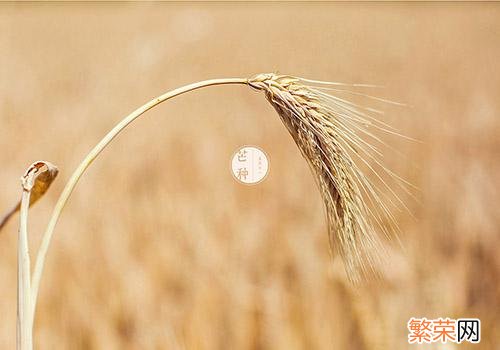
(24, 324)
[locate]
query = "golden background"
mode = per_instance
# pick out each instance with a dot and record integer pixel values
(159, 248)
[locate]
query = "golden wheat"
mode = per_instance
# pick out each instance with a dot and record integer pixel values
(325, 129)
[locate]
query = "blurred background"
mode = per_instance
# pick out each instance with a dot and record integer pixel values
(159, 247)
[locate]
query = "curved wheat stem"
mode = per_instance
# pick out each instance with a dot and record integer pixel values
(77, 174)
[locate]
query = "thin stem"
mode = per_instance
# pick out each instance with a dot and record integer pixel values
(24, 328)
(70, 185)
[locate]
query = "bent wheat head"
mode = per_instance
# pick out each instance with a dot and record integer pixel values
(325, 129)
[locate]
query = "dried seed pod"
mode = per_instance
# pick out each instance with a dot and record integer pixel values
(37, 179)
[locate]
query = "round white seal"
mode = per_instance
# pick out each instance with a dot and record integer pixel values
(249, 165)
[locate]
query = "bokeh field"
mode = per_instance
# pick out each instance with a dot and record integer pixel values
(159, 247)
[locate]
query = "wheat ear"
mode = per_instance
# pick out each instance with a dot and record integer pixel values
(326, 130)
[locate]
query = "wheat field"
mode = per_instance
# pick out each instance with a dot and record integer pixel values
(159, 247)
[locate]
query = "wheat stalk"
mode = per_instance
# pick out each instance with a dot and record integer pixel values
(327, 132)
(35, 182)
